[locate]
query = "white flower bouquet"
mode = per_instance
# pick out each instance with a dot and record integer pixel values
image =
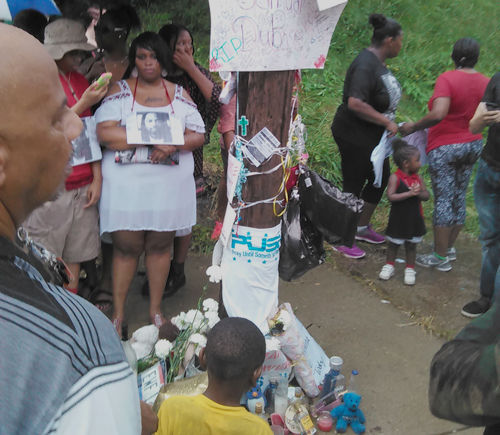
(178, 355)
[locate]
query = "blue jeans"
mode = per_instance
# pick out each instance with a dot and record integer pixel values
(487, 199)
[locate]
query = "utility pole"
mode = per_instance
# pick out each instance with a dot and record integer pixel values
(265, 100)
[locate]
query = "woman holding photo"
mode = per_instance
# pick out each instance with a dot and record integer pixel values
(143, 204)
(198, 82)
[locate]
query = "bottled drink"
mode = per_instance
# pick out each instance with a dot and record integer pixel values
(270, 395)
(281, 397)
(339, 384)
(329, 382)
(303, 419)
(299, 395)
(353, 387)
(254, 396)
(259, 411)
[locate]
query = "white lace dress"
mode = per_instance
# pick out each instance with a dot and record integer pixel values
(142, 196)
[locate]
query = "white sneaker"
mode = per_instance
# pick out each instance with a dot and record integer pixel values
(410, 276)
(387, 272)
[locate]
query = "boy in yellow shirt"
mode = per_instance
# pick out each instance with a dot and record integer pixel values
(233, 357)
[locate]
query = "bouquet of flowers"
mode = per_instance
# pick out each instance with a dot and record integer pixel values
(283, 326)
(177, 355)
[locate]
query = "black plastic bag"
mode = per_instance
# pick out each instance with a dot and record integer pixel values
(301, 244)
(335, 214)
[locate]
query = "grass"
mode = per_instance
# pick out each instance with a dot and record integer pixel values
(430, 29)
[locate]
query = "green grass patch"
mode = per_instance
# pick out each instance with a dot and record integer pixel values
(430, 29)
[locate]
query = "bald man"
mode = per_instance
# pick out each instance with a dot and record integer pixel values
(62, 367)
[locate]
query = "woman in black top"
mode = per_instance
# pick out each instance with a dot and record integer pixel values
(371, 95)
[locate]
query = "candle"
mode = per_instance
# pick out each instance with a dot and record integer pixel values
(325, 422)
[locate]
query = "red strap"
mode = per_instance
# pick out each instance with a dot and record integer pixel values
(164, 87)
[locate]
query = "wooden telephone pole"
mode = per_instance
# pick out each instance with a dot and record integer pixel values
(265, 99)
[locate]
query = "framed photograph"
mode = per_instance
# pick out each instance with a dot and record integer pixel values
(154, 128)
(86, 148)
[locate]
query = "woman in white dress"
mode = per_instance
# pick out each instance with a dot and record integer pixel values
(143, 204)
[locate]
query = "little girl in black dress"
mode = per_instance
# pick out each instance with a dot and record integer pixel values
(406, 225)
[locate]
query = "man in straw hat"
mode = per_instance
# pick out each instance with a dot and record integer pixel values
(63, 368)
(68, 226)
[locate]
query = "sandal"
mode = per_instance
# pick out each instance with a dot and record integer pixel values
(102, 299)
(158, 320)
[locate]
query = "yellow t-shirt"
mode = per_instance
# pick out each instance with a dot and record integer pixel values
(184, 415)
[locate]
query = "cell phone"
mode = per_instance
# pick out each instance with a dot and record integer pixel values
(103, 80)
(492, 106)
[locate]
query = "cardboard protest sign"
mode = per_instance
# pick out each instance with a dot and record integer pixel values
(270, 35)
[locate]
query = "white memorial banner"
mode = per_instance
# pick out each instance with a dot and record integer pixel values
(250, 273)
(271, 35)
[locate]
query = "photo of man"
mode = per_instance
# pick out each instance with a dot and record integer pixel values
(155, 128)
(85, 147)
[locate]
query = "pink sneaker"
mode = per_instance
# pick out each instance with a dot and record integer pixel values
(353, 252)
(370, 236)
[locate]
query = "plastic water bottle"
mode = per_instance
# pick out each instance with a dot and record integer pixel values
(353, 387)
(330, 378)
(281, 397)
(339, 384)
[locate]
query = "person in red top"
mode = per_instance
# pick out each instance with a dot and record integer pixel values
(68, 226)
(452, 149)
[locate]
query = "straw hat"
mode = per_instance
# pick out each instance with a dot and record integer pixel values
(63, 35)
